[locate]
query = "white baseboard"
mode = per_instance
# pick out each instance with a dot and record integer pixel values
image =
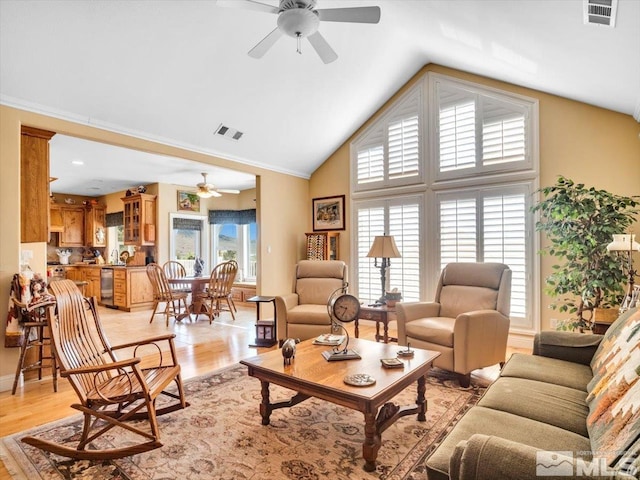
(520, 341)
(6, 382)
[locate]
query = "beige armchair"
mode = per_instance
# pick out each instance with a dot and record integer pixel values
(468, 323)
(303, 313)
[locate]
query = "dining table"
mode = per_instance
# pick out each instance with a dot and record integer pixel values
(197, 284)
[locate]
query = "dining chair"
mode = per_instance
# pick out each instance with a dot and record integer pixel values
(162, 293)
(112, 391)
(219, 290)
(174, 269)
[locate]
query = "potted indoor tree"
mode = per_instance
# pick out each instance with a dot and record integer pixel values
(579, 222)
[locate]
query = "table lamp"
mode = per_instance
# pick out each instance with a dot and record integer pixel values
(626, 243)
(384, 248)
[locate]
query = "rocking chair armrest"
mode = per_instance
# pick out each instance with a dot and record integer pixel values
(146, 341)
(130, 362)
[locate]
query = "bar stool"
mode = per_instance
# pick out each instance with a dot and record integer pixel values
(39, 342)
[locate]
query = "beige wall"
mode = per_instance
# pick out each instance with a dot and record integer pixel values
(281, 201)
(585, 143)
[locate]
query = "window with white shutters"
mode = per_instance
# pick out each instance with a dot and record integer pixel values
(389, 152)
(451, 178)
(399, 217)
(491, 225)
(479, 131)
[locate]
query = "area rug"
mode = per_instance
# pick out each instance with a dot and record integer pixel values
(220, 436)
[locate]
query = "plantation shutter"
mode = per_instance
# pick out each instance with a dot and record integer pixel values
(503, 133)
(370, 224)
(457, 129)
(489, 226)
(404, 273)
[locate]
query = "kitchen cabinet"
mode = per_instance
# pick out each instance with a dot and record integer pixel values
(73, 273)
(72, 234)
(96, 224)
(139, 219)
(91, 275)
(56, 223)
(132, 289)
(34, 184)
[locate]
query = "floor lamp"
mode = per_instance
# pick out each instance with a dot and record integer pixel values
(383, 248)
(627, 243)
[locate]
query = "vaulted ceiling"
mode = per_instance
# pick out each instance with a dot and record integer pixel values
(174, 71)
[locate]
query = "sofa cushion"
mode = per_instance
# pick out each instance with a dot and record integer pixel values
(457, 299)
(550, 370)
(438, 330)
(614, 395)
(556, 405)
(317, 290)
(506, 425)
(309, 314)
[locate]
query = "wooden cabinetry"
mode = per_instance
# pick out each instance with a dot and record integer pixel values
(73, 273)
(95, 226)
(322, 245)
(91, 275)
(139, 219)
(132, 289)
(240, 293)
(56, 223)
(72, 234)
(34, 184)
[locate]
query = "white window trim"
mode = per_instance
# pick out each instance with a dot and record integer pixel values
(204, 248)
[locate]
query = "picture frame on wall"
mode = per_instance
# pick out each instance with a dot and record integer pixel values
(188, 201)
(328, 213)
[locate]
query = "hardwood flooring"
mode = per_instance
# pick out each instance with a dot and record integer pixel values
(201, 348)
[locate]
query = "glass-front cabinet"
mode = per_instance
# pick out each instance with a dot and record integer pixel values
(139, 219)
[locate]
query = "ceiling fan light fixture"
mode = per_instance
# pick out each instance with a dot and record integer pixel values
(298, 22)
(204, 193)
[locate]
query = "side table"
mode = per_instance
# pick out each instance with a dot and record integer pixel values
(265, 329)
(379, 315)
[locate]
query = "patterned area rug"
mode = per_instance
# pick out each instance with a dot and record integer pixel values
(220, 436)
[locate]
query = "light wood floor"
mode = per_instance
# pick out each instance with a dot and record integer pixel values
(202, 348)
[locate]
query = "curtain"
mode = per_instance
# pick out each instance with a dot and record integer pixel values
(235, 217)
(115, 219)
(187, 224)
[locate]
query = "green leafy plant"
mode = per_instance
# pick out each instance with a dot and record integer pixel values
(579, 222)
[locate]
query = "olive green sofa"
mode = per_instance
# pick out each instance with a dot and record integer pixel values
(572, 409)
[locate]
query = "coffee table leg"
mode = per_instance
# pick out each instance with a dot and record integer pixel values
(372, 442)
(421, 401)
(265, 406)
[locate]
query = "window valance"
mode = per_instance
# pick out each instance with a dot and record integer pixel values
(187, 224)
(236, 217)
(115, 219)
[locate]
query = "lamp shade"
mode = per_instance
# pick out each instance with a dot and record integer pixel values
(623, 243)
(384, 246)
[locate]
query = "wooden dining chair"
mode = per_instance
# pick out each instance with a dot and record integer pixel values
(219, 290)
(162, 293)
(111, 391)
(174, 269)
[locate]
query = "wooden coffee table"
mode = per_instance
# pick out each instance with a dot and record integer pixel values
(312, 376)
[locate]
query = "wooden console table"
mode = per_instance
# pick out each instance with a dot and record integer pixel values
(379, 315)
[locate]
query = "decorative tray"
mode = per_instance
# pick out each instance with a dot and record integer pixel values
(359, 380)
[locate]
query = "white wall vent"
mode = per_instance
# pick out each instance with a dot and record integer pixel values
(228, 132)
(600, 12)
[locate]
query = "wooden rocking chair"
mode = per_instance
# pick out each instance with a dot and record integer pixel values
(111, 391)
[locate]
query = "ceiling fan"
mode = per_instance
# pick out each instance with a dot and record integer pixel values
(208, 190)
(300, 19)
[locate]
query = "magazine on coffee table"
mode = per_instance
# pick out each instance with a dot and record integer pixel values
(329, 339)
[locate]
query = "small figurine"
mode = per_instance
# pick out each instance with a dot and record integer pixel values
(198, 267)
(289, 350)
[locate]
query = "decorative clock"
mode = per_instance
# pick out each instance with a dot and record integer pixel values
(342, 308)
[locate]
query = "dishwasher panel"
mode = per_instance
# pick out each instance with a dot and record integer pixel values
(106, 286)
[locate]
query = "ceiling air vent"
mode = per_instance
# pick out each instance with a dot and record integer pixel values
(228, 132)
(600, 12)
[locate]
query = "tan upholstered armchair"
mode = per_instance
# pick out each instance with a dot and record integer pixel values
(468, 322)
(303, 313)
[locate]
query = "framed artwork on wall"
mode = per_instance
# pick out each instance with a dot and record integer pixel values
(328, 213)
(188, 201)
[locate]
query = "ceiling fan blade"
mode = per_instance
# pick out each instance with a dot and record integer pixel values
(228, 190)
(355, 14)
(265, 44)
(324, 50)
(215, 193)
(249, 5)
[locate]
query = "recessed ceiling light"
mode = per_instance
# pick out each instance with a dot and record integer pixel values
(77, 162)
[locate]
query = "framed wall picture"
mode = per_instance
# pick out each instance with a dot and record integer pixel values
(188, 202)
(328, 213)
